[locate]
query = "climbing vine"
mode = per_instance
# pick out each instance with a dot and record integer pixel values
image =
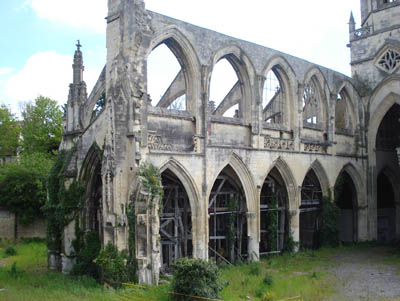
(272, 217)
(231, 223)
(63, 202)
(151, 180)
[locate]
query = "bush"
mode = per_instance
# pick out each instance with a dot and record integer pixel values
(196, 277)
(255, 269)
(268, 279)
(115, 267)
(329, 233)
(10, 251)
(86, 254)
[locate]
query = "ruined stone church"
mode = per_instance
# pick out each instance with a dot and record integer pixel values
(245, 175)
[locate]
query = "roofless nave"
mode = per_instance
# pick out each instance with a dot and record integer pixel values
(242, 174)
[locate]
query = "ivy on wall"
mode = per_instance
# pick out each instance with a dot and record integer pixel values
(63, 203)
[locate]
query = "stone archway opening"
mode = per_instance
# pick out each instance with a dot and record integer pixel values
(310, 211)
(386, 209)
(228, 241)
(346, 201)
(387, 141)
(175, 221)
(274, 219)
(93, 209)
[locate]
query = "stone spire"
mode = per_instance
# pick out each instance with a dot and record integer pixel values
(78, 64)
(352, 23)
(77, 93)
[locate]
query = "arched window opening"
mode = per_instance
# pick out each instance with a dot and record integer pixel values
(310, 208)
(175, 221)
(274, 221)
(343, 122)
(273, 98)
(99, 106)
(386, 209)
(166, 83)
(92, 213)
(311, 103)
(346, 201)
(225, 90)
(227, 219)
(388, 138)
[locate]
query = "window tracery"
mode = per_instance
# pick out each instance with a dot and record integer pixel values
(389, 61)
(311, 104)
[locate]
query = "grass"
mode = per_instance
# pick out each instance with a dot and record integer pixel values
(305, 273)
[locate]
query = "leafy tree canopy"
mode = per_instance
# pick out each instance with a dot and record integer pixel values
(23, 185)
(41, 127)
(9, 132)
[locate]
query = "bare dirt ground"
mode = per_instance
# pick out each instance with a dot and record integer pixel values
(370, 274)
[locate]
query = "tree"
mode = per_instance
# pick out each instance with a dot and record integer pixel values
(41, 126)
(23, 185)
(9, 132)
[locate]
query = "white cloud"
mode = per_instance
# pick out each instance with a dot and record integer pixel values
(44, 73)
(48, 74)
(84, 14)
(6, 70)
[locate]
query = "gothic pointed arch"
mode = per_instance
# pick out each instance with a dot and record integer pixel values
(187, 57)
(246, 179)
(346, 107)
(90, 176)
(320, 172)
(347, 197)
(381, 101)
(277, 92)
(244, 70)
(290, 182)
(183, 175)
(276, 195)
(314, 100)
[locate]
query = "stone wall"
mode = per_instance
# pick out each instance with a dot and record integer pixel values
(9, 230)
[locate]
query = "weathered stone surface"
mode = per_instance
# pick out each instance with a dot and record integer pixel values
(198, 144)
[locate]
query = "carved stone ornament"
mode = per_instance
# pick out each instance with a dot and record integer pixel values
(314, 147)
(389, 60)
(277, 143)
(155, 143)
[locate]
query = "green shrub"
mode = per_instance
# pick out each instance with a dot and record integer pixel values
(268, 280)
(14, 272)
(115, 267)
(10, 251)
(196, 277)
(255, 269)
(329, 233)
(86, 254)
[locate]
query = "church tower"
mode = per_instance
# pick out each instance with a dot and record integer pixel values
(77, 94)
(375, 46)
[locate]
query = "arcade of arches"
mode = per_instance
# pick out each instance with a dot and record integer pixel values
(247, 154)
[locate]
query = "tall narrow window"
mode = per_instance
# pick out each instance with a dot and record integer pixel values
(165, 79)
(225, 90)
(273, 98)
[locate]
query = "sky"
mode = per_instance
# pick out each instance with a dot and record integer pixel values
(38, 37)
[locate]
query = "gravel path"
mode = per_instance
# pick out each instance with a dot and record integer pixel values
(365, 276)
